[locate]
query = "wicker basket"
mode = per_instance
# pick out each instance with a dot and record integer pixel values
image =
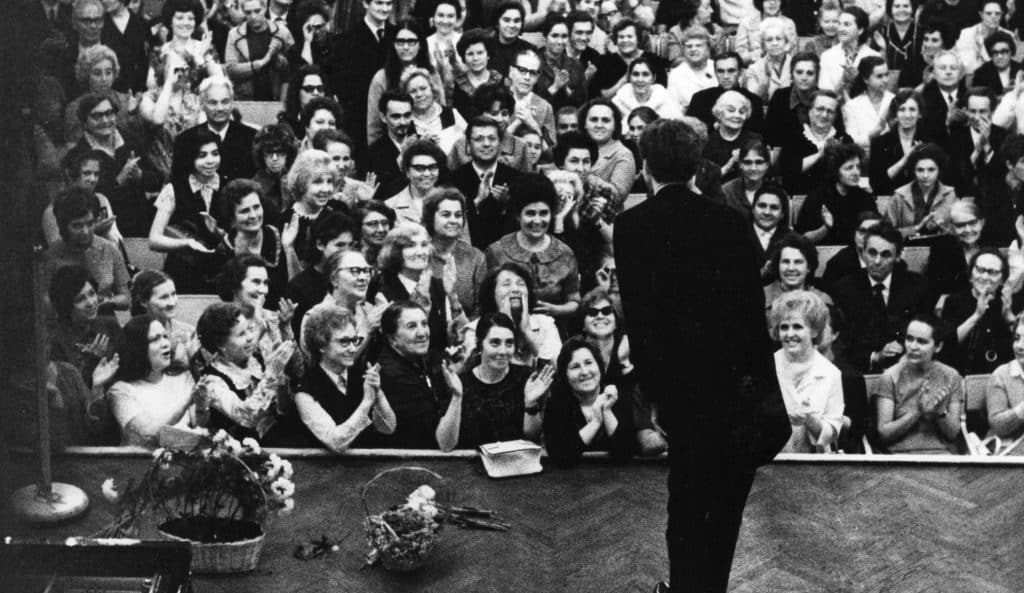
(393, 484)
(222, 557)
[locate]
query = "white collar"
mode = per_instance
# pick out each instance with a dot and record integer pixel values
(339, 382)
(885, 283)
(493, 169)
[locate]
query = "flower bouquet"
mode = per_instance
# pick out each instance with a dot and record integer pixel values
(216, 495)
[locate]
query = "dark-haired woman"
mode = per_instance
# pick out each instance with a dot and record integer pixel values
(829, 215)
(474, 48)
(600, 119)
(839, 63)
(274, 151)
(747, 42)
(642, 91)
(308, 83)
(770, 225)
(81, 336)
(187, 224)
(890, 151)
(375, 220)
(754, 160)
(333, 233)
(584, 413)
(155, 294)
(793, 264)
(899, 38)
(145, 398)
(500, 401)
(561, 81)
(921, 207)
(445, 221)
(242, 210)
(865, 115)
(245, 280)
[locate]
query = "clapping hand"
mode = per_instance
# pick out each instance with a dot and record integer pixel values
(371, 383)
(373, 312)
(285, 312)
(105, 370)
(451, 378)
(277, 361)
(892, 349)
(131, 170)
(826, 217)
(500, 192)
(290, 231)
(930, 400)
(97, 348)
(982, 304)
(538, 384)
(449, 275)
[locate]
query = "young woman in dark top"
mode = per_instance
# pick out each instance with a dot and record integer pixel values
(829, 215)
(81, 336)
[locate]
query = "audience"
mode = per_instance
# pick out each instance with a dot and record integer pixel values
(155, 294)
(891, 150)
(1004, 398)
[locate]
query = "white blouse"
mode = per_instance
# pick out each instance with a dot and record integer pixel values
(819, 391)
(860, 117)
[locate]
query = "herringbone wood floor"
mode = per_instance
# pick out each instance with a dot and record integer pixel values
(598, 528)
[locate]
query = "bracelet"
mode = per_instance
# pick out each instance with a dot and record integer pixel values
(532, 410)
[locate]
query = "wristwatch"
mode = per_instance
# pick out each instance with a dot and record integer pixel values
(532, 410)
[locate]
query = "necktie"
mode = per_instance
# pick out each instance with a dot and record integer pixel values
(950, 100)
(380, 34)
(51, 15)
(879, 298)
(488, 177)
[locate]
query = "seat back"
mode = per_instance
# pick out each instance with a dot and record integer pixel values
(191, 306)
(916, 258)
(141, 256)
(258, 113)
(825, 253)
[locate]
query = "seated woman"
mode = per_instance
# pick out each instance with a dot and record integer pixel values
(772, 70)
(793, 265)
(555, 270)
(245, 280)
(321, 113)
(1004, 395)
(405, 274)
(890, 151)
(729, 135)
(600, 119)
(432, 120)
(830, 213)
(812, 387)
(754, 160)
(643, 91)
(601, 328)
(921, 207)
(243, 212)
(423, 163)
(948, 259)
(919, 400)
(333, 233)
(501, 401)
(310, 183)
(308, 83)
(155, 294)
(770, 227)
(373, 223)
(237, 391)
(802, 158)
(414, 378)
(274, 151)
(584, 413)
(334, 408)
(982, 315)
(748, 43)
(341, 148)
(81, 336)
(865, 115)
(144, 397)
(445, 221)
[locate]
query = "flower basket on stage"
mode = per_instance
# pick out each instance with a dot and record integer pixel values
(402, 537)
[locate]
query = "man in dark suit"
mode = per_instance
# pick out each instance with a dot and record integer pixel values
(729, 71)
(125, 33)
(382, 156)
(973, 144)
(944, 92)
(52, 15)
(702, 349)
(879, 302)
(236, 138)
(485, 182)
(358, 54)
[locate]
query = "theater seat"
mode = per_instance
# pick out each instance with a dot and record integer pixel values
(916, 258)
(974, 403)
(825, 253)
(258, 113)
(191, 306)
(142, 256)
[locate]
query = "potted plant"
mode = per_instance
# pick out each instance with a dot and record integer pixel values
(216, 495)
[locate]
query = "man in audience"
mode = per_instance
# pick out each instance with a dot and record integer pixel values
(850, 259)
(566, 120)
(531, 110)
(485, 181)
(576, 153)
(581, 32)
(254, 54)
(999, 196)
(729, 72)
(358, 54)
(943, 94)
(279, 13)
(696, 73)
(879, 301)
(598, 39)
(507, 44)
(236, 138)
(973, 144)
(383, 155)
(496, 102)
(690, 339)
(125, 33)
(87, 22)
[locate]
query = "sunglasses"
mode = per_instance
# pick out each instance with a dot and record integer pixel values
(313, 88)
(595, 311)
(352, 342)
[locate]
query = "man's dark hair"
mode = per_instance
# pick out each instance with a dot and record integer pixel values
(507, 6)
(570, 140)
(326, 229)
(886, 232)
(392, 95)
(671, 151)
(486, 95)
(76, 202)
(579, 16)
(482, 122)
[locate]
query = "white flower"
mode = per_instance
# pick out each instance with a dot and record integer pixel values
(282, 489)
(251, 444)
(425, 492)
(274, 465)
(157, 454)
(429, 510)
(233, 446)
(220, 437)
(110, 491)
(286, 469)
(289, 506)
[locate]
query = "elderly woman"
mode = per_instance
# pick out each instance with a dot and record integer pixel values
(375, 220)
(1000, 73)
(801, 160)
(561, 81)
(770, 227)
(308, 83)
(445, 221)
(334, 233)
(828, 29)
(433, 121)
(187, 224)
(754, 160)
(948, 271)
(829, 214)
(81, 336)
(422, 163)
(334, 406)
(553, 264)
(96, 70)
(601, 121)
(812, 387)
(243, 213)
(983, 316)
(244, 280)
(643, 91)
(414, 377)
(865, 116)
(76, 213)
(145, 397)
(1004, 394)
(501, 401)
(630, 40)
(839, 63)
(83, 169)
(748, 40)
(310, 183)
(349, 278)
(169, 107)
(584, 412)
(773, 70)
(274, 150)
(919, 400)
(891, 150)
(154, 294)
(237, 391)
(731, 111)
(921, 207)
(405, 274)
(971, 44)
(793, 264)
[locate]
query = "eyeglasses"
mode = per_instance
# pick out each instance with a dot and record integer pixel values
(313, 88)
(357, 270)
(92, 22)
(425, 168)
(753, 162)
(988, 271)
(98, 115)
(595, 311)
(352, 342)
(1000, 52)
(966, 223)
(526, 71)
(407, 42)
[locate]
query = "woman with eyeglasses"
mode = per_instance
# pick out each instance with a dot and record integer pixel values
(423, 163)
(971, 44)
(335, 232)
(948, 271)
(983, 315)
(773, 70)
(802, 157)
(408, 50)
(374, 220)
(349, 276)
(921, 207)
(274, 151)
(337, 406)
(747, 42)
(308, 83)
(96, 70)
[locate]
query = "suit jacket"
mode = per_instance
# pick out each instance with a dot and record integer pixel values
(131, 49)
(491, 220)
(702, 102)
(987, 76)
(966, 175)
(37, 17)
(868, 329)
(357, 56)
(235, 151)
(382, 159)
(691, 339)
(933, 124)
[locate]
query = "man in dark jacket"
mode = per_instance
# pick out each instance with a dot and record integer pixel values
(236, 138)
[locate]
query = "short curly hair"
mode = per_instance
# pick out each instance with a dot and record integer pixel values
(216, 323)
(65, 284)
(801, 302)
(425, 148)
(232, 194)
(91, 56)
(397, 239)
(601, 102)
(327, 104)
(317, 326)
(433, 201)
(432, 81)
(308, 164)
(485, 296)
(234, 272)
(794, 240)
(928, 150)
(530, 188)
(275, 137)
(172, 7)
